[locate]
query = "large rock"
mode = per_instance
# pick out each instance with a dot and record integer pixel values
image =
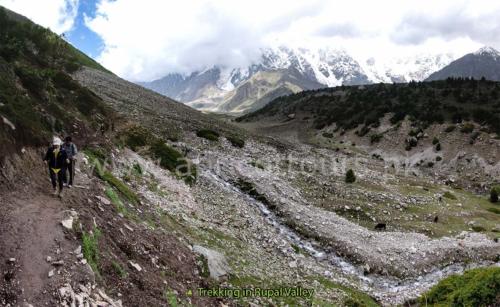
(217, 263)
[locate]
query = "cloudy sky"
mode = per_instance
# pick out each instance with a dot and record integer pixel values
(144, 40)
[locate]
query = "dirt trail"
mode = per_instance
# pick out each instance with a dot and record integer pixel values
(30, 231)
(37, 235)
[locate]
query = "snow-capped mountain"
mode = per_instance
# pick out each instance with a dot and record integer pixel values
(485, 62)
(405, 69)
(284, 70)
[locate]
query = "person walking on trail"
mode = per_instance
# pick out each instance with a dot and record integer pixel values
(57, 161)
(71, 152)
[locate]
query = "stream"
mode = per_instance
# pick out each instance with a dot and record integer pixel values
(388, 289)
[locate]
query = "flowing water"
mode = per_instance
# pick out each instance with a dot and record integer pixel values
(383, 287)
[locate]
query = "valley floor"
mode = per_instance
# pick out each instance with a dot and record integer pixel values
(273, 214)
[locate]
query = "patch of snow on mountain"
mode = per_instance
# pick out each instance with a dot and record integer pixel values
(417, 67)
(486, 50)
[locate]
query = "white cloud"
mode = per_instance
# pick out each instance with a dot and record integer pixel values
(147, 39)
(58, 15)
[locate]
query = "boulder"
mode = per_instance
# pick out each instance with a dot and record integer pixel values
(217, 263)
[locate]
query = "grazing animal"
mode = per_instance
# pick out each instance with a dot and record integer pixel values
(436, 219)
(380, 226)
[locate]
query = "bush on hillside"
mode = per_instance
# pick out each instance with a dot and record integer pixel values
(168, 157)
(327, 135)
(467, 128)
(477, 287)
(32, 80)
(375, 138)
(136, 137)
(174, 161)
(449, 195)
(494, 194)
(208, 134)
(350, 177)
(450, 128)
(236, 141)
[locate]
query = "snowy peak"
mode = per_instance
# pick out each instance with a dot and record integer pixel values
(484, 63)
(331, 67)
(303, 68)
(488, 51)
(405, 69)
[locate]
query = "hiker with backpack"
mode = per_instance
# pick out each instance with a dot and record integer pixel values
(71, 152)
(57, 161)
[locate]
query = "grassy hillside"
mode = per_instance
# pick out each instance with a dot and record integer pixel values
(477, 287)
(38, 97)
(452, 100)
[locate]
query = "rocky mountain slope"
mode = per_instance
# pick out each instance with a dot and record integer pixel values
(484, 63)
(231, 89)
(288, 202)
(169, 200)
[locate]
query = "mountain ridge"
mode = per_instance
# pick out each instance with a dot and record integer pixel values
(210, 89)
(484, 62)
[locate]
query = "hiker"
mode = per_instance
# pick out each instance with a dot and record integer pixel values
(71, 152)
(57, 160)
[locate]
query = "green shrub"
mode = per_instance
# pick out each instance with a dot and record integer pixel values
(174, 161)
(467, 128)
(449, 196)
(236, 141)
(438, 147)
(136, 137)
(478, 228)
(173, 137)
(97, 154)
(494, 194)
(137, 169)
(439, 158)
(208, 134)
(88, 103)
(90, 248)
(250, 189)
(363, 131)
(116, 201)
(477, 287)
(64, 81)
(72, 66)
(375, 138)
(494, 210)
(108, 177)
(171, 297)
(350, 177)
(450, 128)
(32, 80)
(119, 269)
(435, 141)
(120, 186)
(327, 135)
(257, 164)
(169, 158)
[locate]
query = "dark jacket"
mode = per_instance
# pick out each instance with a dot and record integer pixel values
(56, 162)
(70, 149)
